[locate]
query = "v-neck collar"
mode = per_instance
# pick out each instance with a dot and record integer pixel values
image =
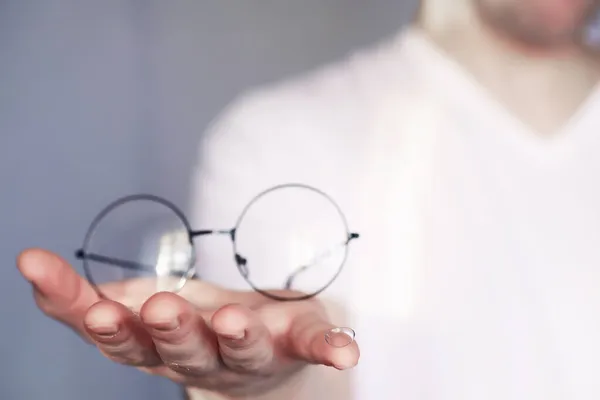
(449, 79)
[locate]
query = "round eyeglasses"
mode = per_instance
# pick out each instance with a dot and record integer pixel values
(290, 242)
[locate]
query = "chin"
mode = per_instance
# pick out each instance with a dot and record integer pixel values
(539, 40)
(545, 33)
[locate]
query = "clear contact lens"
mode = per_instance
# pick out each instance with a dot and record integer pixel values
(340, 337)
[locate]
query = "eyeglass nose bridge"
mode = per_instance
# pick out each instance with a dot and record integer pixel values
(206, 232)
(240, 261)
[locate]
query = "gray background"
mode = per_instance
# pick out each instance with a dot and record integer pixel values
(104, 98)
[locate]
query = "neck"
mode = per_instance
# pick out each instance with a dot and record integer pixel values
(556, 81)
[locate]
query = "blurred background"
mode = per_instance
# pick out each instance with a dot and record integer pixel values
(100, 99)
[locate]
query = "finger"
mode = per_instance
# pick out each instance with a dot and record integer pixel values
(245, 343)
(180, 335)
(307, 342)
(119, 335)
(59, 291)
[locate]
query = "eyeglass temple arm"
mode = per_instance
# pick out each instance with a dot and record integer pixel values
(117, 262)
(135, 266)
(316, 259)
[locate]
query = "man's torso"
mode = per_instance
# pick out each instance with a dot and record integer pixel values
(476, 273)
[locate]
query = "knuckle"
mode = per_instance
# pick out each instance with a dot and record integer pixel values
(249, 360)
(250, 366)
(119, 357)
(190, 352)
(116, 349)
(240, 345)
(193, 371)
(127, 361)
(120, 346)
(129, 356)
(177, 338)
(195, 359)
(185, 370)
(197, 367)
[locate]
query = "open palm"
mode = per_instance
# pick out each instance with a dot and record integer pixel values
(225, 341)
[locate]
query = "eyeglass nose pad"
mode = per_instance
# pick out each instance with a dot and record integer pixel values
(241, 262)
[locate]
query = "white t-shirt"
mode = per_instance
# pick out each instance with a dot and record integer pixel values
(477, 274)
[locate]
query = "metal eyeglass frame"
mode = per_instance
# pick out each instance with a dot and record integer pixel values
(84, 255)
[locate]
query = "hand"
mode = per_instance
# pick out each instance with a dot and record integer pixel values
(224, 341)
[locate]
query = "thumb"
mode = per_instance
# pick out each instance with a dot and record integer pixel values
(59, 291)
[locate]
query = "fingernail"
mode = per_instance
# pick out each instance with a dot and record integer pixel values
(166, 326)
(235, 336)
(105, 331)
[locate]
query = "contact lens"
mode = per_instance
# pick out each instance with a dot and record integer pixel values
(340, 337)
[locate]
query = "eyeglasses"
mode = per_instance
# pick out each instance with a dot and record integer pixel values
(290, 242)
